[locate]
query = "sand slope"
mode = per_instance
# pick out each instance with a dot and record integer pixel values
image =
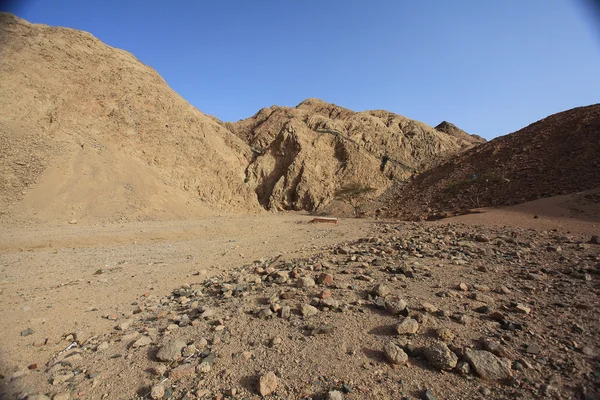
(61, 89)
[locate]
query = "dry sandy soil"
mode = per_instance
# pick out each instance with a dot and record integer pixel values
(63, 279)
(119, 280)
(572, 213)
(83, 280)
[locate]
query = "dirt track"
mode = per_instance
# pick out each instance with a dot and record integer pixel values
(575, 213)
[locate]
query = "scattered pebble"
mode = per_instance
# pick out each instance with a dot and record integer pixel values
(157, 392)
(267, 384)
(335, 395)
(440, 356)
(305, 282)
(487, 365)
(395, 354)
(308, 311)
(141, 342)
(407, 326)
(171, 350)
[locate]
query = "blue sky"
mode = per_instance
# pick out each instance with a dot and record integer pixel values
(491, 67)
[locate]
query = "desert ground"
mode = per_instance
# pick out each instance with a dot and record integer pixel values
(100, 288)
(54, 276)
(151, 251)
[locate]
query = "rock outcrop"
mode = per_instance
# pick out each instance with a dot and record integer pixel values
(88, 132)
(453, 130)
(304, 154)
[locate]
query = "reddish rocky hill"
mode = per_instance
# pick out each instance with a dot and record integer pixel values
(557, 155)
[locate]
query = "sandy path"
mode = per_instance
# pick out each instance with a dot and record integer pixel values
(574, 213)
(48, 281)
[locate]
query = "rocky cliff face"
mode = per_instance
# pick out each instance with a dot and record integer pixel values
(304, 154)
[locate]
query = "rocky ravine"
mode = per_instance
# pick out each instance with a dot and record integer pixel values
(414, 311)
(305, 153)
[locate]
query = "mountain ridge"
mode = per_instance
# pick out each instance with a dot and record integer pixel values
(68, 92)
(74, 110)
(556, 155)
(368, 148)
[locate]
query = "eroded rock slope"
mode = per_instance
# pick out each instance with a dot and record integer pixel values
(559, 154)
(305, 153)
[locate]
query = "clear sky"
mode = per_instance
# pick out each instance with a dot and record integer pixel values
(489, 66)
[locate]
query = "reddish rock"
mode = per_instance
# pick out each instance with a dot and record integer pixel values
(182, 371)
(325, 279)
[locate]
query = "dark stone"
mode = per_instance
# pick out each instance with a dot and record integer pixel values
(511, 326)
(483, 309)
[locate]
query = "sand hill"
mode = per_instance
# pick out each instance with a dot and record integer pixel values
(102, 136)
(304, 154)
(559, 154)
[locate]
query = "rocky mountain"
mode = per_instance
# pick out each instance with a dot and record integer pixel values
(103, 136)
(304, 154)
(559, 154)
(453, 130)
(88, 132)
